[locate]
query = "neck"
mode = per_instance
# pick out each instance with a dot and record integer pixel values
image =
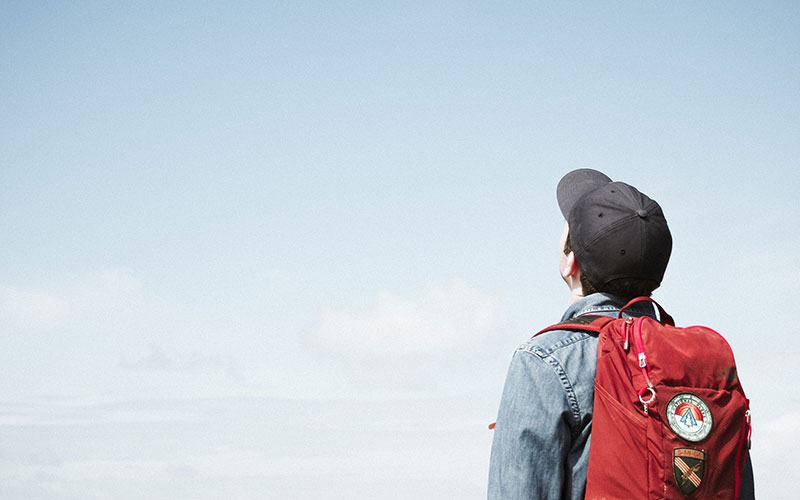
(576, 294)
(575, 287)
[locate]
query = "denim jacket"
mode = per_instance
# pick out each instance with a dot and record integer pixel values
(541, 441)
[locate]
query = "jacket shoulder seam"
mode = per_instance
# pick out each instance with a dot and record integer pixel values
(578, 336)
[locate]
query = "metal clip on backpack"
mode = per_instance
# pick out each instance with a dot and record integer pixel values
(670, 418)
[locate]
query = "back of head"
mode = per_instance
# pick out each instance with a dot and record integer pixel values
(619, 235)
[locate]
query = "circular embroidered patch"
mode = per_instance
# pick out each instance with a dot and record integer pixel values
(689, 417)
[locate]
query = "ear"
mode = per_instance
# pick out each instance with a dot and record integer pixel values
(570, 266)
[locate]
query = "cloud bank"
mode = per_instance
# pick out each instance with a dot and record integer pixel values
(29, 309)
(443, 318)
(438, 338)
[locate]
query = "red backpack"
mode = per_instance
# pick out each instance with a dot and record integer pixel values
(670, 418)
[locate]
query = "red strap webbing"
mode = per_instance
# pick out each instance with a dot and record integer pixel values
(585, 323)
(665, 318)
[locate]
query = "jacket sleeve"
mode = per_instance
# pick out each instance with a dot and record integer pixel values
(747, 488)
(532, 435)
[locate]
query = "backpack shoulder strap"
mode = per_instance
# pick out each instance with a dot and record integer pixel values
(663, 316)
(584, 323)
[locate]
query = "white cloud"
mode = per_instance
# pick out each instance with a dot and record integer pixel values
(107, 292)
(156, 359)
(109, 289)
(442, 319)
(252, 448)
(440, 340)
(26, 309)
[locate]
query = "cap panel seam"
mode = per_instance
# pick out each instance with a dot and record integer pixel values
(610, 228)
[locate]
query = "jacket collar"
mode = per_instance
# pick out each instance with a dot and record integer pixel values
(608, 305)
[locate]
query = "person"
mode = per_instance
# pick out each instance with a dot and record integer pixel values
(615, 246)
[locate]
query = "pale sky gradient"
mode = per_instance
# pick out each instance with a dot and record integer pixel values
(286, 249)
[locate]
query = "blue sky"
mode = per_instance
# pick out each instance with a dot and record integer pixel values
(350, 207)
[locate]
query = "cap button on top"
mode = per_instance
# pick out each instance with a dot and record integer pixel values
(641, 213)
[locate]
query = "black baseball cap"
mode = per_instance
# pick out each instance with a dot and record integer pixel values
(615, 230)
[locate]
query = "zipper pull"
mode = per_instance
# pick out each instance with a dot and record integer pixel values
(749, 428)
(650, 400)
(627, 345)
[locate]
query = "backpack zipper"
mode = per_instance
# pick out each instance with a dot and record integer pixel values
(643, 365)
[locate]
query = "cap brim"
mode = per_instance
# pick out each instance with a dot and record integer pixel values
(575, 184)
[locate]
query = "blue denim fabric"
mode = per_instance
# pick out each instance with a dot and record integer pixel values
(541, 441)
